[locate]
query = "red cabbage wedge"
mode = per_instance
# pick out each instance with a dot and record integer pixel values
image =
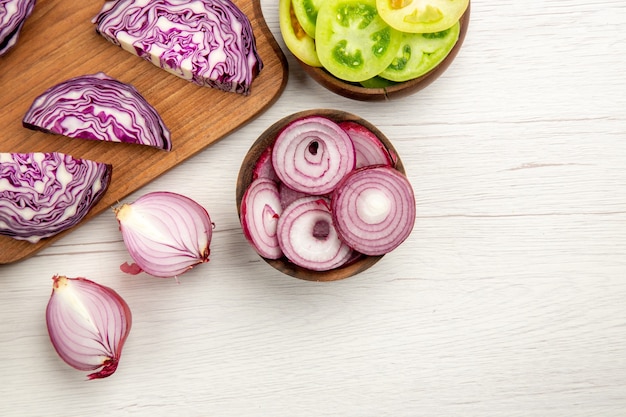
(98, 107)
(13, 14)
(42, 194)
(207, 42)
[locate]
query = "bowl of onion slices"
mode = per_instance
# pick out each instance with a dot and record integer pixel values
(322, 195)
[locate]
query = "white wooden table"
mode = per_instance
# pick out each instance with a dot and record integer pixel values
(508, 299)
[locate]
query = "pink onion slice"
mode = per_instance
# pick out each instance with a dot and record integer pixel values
(312, 154)
(373, 209)
(260, 211)
(288, 195)
(263, 167)
(369, 149)
(98, 107)
(307, 236)
(88, 324)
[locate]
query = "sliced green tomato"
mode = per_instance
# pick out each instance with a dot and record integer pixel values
(421, 16)
(377, 82)
(297, 41)
(306, 13)
(420, 53)
(353, 42)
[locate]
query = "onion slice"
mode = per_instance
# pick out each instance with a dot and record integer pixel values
(312, 154)
(263, 167)
(13, 15)
(208, 42)
(373, 209)
(166, 233)
(88, 324)
(369, 149)
(288, 195)
(42, 194)
(307, 236)
(260, 211)
(98, 107)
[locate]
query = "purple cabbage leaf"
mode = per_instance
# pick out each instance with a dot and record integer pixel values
(13, 14)
(208, 42)
(98, 107)
(45, 193)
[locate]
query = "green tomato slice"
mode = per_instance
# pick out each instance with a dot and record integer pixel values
(420, 53)
(377, 82)
(353, 42)
(306, 13)
(301, 45)
(421, 16)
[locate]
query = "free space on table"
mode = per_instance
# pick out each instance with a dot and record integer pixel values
(508, 299)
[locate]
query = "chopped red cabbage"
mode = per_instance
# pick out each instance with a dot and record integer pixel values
(208, 42)
(13, 14)
(98, 107)
(42, 194)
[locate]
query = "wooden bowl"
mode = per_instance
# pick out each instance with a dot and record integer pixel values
(358, 92)
(267, 138)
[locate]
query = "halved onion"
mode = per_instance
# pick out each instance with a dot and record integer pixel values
(165, 233)
(98, 107)
(88, 324)
(369, 149)
(307, 236)
(312, 154)
(260, 211)
(373, 209)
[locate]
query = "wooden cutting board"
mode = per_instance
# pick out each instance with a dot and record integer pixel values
(59, 41)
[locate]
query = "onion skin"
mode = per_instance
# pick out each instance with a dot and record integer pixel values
(208, 42)
(297, 230)
(13, 15)
(98, 107)
(374, 209)
(43, 194)
(312, 154)
(88, 325)
(166, 234)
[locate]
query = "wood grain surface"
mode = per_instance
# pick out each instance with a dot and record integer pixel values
(59, 42)
(507, 300)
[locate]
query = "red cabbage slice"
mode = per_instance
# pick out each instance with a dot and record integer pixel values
(207, 42)
(98, 107)
(42, 194)
(13, 14)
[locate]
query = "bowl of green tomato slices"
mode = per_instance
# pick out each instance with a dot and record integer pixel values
(374, 50)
